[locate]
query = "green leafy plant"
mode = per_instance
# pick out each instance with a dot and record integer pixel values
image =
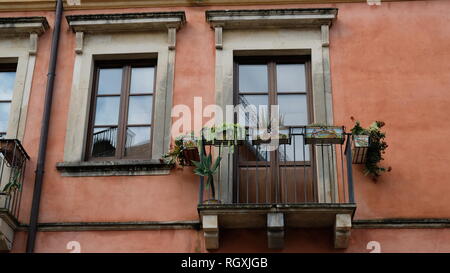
(230, 134)
(14, 183)
(377, 148)
(181, 143)
(206, 168)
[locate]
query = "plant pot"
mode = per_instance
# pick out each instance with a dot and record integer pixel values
(266, 138)
(360, 145)
(324, 135)
(190, 154)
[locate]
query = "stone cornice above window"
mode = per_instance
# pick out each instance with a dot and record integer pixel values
(126, 22)
(270, 18)
(23, 25)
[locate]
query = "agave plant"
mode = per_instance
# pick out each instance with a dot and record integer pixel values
(14, 184)
(205, 167)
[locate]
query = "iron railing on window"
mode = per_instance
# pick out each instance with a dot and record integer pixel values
(13, 159)
(290, 172)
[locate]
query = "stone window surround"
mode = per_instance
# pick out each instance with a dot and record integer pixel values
(19, 46)
(118, 37)
(276, 32)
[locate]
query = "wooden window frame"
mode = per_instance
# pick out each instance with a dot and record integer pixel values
(272, 91)
(126, 66)
(8, 67)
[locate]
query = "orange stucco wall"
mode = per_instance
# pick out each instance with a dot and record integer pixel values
(388, 62)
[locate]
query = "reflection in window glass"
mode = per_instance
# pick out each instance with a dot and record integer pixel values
(291, 78)
(253, 114)
(110, 81)
(107, 111)
(253, 78)
(137, 141)
(142, 79)
(7, 80)
(140, 110)
(104, 142)
(293, 109)
(4, 114)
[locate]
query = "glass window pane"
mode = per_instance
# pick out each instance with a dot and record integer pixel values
(104, 142)
(249, 115)
(291, 78)
(253, 78)
(4, 114)
(7, 80)
(110, 81)
(137, 141)
(142, 79)
(293, 109)
(140, 110)
(107, 110)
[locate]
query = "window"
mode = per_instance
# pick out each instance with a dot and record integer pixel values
(7, 80)
(121, 116)
(263, 82)
(281, 81)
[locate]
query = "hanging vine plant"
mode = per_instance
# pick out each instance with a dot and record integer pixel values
(376, 148)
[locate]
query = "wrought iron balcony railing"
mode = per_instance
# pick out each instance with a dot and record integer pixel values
(292, 172)
(13, 158)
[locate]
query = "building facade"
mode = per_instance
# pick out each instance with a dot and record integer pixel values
(127, 74)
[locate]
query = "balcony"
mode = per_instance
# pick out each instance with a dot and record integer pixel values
(299, 185)
(13, 158)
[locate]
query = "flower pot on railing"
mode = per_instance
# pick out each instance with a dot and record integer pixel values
(265, 137)
(225, 135)
(360, 145)
(324, 134)
(190, 151)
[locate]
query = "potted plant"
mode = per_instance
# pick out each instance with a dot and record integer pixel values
(360, 144)
(266, 133)
(190, 150)
(206, 168)
(376, 148)
(184, 150)
(324, 134)
(228, 134)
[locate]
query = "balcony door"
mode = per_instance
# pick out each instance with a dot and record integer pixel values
(281, 174)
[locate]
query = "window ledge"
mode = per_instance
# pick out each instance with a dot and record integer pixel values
(114, 168)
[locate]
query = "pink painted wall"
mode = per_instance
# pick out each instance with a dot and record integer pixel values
(388, 62)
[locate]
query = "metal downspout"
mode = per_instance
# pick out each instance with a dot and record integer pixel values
(34, 216)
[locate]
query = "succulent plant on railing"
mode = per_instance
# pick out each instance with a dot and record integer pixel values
(14, 183)
(206, 168)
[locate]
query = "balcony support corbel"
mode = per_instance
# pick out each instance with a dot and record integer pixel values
(275, 230)
(342, 230)
(211, 231)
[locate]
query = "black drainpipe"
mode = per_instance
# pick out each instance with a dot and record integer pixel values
(44, 130)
